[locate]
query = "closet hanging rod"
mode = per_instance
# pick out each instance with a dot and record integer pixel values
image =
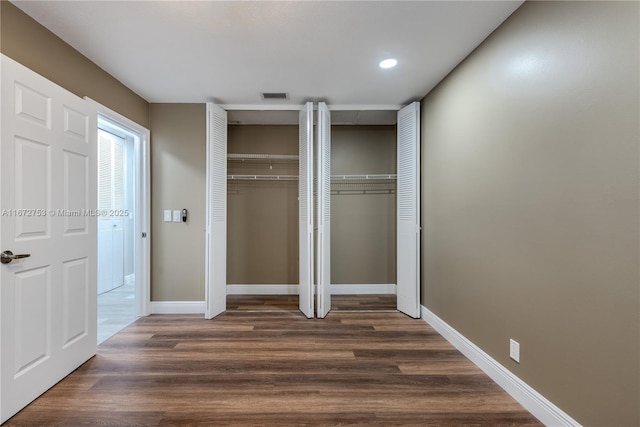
(363, 177)
(263, 177)
(355, 192)
(236, 156)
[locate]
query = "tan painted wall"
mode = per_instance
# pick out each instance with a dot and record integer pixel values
(262, 216)
(26, 41)
(363, 226)
(178, 176)
(530, 203)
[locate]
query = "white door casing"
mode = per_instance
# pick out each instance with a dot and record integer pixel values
(305, 201)
(216, 238)
(48, 202)
(324, 211)
(408, 210)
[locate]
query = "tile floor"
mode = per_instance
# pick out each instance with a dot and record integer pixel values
(116, 309)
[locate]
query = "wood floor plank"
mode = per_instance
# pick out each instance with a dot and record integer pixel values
(63, 418)
(290, 302)
(268, 368)
(439, 367)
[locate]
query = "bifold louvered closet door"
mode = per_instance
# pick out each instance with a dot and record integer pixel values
(408, 211)
(216, 250)
(324, 210)
(305, 210)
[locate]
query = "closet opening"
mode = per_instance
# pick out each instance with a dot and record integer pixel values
(262, 210)
(356, 238)
(363, 210)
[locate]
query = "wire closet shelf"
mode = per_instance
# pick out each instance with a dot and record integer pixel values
(340, 184)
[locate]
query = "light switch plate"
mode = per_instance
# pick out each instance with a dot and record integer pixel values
(176, 216)
(514, 350)
(167, 215)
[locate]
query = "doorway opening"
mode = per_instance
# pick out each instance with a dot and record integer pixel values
(139, 185)
(363, 210)
(263, 210)
(262, 219)
(116, 225)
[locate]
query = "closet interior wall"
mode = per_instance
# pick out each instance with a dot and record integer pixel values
(363, 212)
(262, 213)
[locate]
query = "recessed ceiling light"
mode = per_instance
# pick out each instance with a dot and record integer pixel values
(388, 63)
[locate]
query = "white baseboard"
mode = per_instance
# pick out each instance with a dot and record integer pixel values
(534, 402)
(130, 279)
(177, 307)
(262, 289)
(373, 288)
(337, 289)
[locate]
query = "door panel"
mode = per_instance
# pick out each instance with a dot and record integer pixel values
(47, 301)
(76, 124)
(324, 210)
(117, 265)
(32, 186)
(76, 192)
(32, 319)
(30, 105)
(75, 286)
(111, 200)
(105, 255)
(216, 250)
(408, 206)
(105, 203)
(305, 200)
(118, 204)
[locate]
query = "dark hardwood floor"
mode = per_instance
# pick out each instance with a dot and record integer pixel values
(290, 302)
(247, 368)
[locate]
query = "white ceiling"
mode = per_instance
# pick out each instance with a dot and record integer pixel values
(230, 51)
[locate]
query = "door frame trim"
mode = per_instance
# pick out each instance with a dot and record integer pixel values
(142, 203)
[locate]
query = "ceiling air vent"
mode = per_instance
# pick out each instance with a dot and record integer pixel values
(274, 96)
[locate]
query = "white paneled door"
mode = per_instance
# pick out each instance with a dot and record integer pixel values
(48, 202)
(305, 210)
(324, 210)
(216, 250)
(111, 199)
(408, 207)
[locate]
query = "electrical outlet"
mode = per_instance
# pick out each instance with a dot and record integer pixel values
(176, 216)
(167, 215)
(514, 350)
